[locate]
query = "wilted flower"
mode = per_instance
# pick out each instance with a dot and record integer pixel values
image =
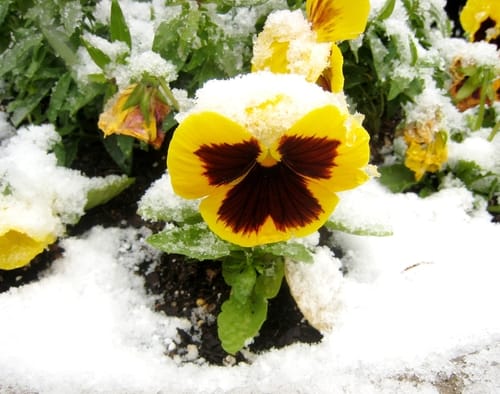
(268, 166)
(138, 111)
(427, 148)
(470, 82)
(481, 20)
(290, 43)
(25, 231)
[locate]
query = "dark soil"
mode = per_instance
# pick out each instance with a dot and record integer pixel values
(185, 289)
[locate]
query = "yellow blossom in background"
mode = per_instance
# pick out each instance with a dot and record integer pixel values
(481, 20)
(137, 111)
(262, 176)
(25, 231)
(427, 148)
(292, 43)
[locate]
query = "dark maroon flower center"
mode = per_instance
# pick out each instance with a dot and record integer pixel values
(279, 192)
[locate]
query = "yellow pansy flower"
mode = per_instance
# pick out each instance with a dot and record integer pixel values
(25, 231)
(481, 20)
(137, 111)
(292, 43)
(427, 148)
(268, 173)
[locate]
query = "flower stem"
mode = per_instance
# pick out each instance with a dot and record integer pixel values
(169, 94)
(494, 131)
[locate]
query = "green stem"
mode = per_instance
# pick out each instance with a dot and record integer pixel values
(169, 94)
(487, 78)
(494, 132)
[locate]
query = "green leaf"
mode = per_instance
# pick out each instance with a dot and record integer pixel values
(118, 26)
(120, 148)
(396, 177)
(378, 231)
(60, 43)
(386, 10)
(106, 188)
(239, 322)
(4, 9)
(58, 96)
(22, 108)
(174, 39)
(476, 179)
(240, 276)
(98, 56)
(12, 57)
(293, 250)
(192, 240)
(268, 283)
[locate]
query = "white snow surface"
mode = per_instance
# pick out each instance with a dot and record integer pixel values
(414, 309)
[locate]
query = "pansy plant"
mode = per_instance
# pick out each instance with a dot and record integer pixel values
(264, 155)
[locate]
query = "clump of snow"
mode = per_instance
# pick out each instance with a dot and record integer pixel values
(413, 310)
(478, 53)
(478, 149)
(161, 203)
(145, 63)
(30, 175)
(85, 320)
(263, 102)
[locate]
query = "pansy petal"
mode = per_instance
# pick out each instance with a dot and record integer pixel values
(17, 248)
(337, 20)
(265, 209)
(336, 70)
(209, 150)
(341, 152)
(276, 61)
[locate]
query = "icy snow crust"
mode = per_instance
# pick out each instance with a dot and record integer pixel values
(414, 308)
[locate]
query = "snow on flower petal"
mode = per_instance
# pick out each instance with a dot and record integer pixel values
(266, 182)
(25, 231)
(293, 43)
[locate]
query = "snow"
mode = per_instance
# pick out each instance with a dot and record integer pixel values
(414, 308)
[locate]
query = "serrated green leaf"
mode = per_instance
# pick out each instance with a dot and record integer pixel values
(58, 97)
(118, 28)
(106, 189)
(195, 241)
(239, 322)
(397, 178)
(98, 56)
(377, 231)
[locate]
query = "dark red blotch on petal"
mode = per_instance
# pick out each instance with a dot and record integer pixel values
(279, 192)
(225, 163)
(312, 157)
